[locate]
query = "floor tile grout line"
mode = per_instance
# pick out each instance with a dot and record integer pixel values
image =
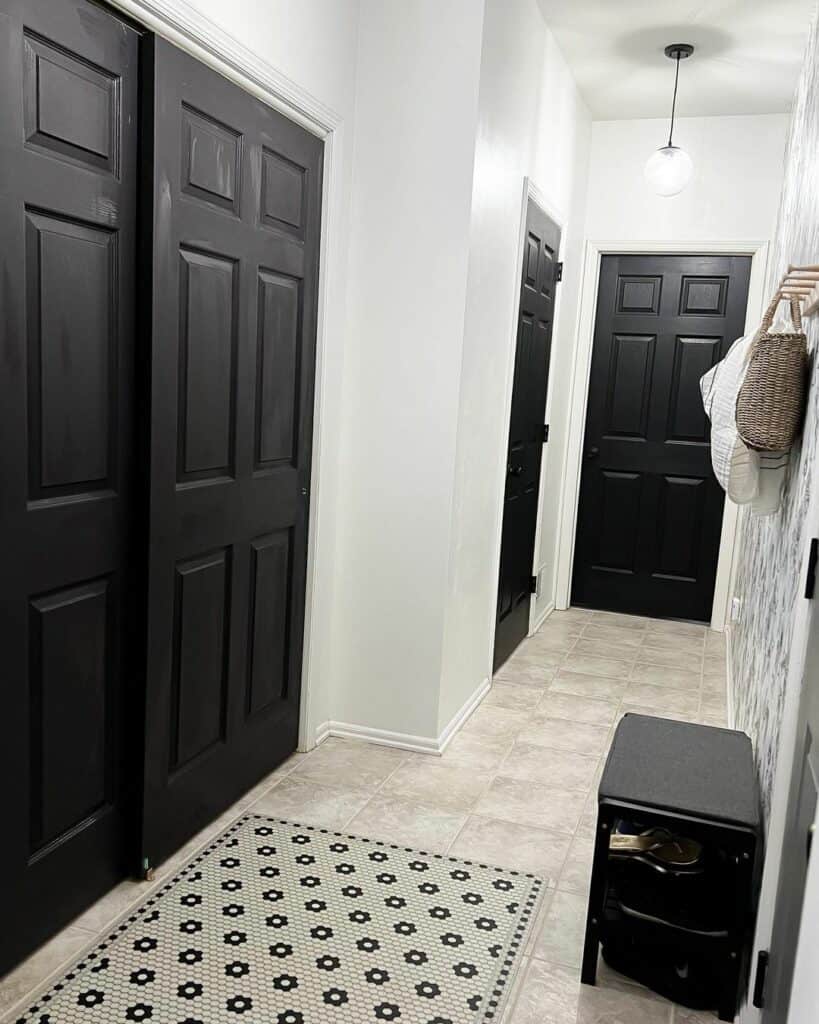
(379, 787)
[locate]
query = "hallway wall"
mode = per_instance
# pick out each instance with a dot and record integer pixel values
(531, 122)
(773, 547)
(416, 117)
(733, 193)
(767, 645)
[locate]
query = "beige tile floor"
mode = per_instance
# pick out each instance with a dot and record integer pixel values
(515, 787)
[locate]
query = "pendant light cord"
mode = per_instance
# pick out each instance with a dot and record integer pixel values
(674, 100)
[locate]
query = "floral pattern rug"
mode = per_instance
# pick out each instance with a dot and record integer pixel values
(280, 923)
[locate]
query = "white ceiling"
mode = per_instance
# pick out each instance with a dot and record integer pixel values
(747, 57)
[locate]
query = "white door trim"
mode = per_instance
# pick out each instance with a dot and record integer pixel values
(594, 251)
(187, 28)
(190, 30)
(534, 193)
(529, 191)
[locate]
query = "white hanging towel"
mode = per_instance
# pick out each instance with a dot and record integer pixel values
(735, 466)
(747, 477)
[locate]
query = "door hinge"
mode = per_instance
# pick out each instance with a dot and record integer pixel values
(533, 584)
(810, 577)
(544, 432)
(759, 982)
(559, 270)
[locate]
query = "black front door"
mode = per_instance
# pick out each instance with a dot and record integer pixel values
(650, 510)
(68, 138)
(526, 430)
(235, 195)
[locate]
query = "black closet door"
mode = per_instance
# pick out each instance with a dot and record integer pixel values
(68, 139)
(526, 434)
(235, 194)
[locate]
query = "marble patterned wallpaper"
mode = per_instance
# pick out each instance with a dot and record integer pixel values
(772, 547)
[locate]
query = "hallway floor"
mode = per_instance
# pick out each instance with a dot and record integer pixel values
(516, 787)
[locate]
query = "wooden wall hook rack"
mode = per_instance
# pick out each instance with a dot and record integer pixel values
(802, 283)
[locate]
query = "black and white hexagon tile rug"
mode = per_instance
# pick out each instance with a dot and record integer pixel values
(279, 923)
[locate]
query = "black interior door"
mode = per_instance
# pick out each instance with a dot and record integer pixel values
(68, 135)
(650, 511)
(235, 194)
(526, 429)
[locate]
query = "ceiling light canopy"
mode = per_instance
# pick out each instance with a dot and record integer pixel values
(669, 169)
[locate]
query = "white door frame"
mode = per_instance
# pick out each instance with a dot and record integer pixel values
(594, 252)
(181, 24)
(529, 191)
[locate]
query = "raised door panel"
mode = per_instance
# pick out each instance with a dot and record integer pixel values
(72, 339)
(703, 296)
(199, 680)
(687, 421)
(638, 294)
(546, 271)
(211, 160)
(69, 709)
(270, 564)
(531, 259)
(629, 386)
(71, 106)
(618, 516)
(284, 194)
(679, 528)
(278, 345)
(207, 365)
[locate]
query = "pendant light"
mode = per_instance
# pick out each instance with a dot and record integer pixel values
(669, 169)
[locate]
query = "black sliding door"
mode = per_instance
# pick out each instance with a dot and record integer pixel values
(68, 141)
(235, 192)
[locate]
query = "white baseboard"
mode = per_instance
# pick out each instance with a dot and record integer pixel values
(403, 740)
(322, 732)
(547, 611)
(460, 716)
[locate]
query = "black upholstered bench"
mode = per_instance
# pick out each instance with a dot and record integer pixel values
(696, 781)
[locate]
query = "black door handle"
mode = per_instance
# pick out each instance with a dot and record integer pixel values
(515, 470)
(592, 452)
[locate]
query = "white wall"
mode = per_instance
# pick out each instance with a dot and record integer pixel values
(732, 196)
(768, 644)
(417, 97)
(531, 122)
(313, 42)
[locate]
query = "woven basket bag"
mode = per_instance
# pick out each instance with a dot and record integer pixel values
(771, 400)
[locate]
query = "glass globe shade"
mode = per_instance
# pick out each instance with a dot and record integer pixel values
(668, 170)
